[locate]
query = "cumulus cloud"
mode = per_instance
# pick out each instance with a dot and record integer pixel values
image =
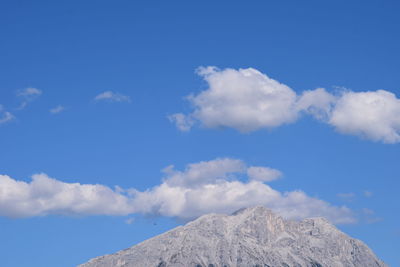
(372, 115)
(263, 174)
(57, 109)
(220, 185)
(112, 97)
(45, 196)
(243, 99)
(318, 103)
(204, 172)
(248, 100)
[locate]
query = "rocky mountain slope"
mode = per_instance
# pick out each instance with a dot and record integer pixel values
(249, 237)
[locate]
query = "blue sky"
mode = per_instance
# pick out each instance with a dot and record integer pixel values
(90, 92)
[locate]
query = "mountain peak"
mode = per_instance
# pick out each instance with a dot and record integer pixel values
(252, 236)
(253, 210)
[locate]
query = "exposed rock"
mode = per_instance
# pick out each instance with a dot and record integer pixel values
(249, 237)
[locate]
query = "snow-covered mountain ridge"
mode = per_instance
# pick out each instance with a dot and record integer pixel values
(249, 237)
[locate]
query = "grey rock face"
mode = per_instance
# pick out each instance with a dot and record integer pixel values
(250, 237)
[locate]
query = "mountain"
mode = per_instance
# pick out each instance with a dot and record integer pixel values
(249, 237)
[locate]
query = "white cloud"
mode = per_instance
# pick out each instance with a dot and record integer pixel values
(219, 185)
(130, 220)
(204, 172)
(183, 122)
(368, 211)
(225, 193)
(368, 193)
(372, 115)
(243, 99)
(263, 174)
(22, 105)
(369, 216)
(204, 188)
(44, 196)
(6, 116)
(248, 100)
(318, 103)
(28, 95)
(28, 92)
(57, 109)
(113, 97)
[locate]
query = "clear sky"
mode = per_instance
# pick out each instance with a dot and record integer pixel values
(122, 119)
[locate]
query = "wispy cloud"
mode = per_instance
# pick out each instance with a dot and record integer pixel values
(183, 122)
(112, 97)
(57, 109)
(248, 100)
(368, 211)
(5, 116)
(28, 95)
(369, 216)
(263, 174)
(28, 92)
(368, 193)
(219, 185)
(130, 220)
(347, 196)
